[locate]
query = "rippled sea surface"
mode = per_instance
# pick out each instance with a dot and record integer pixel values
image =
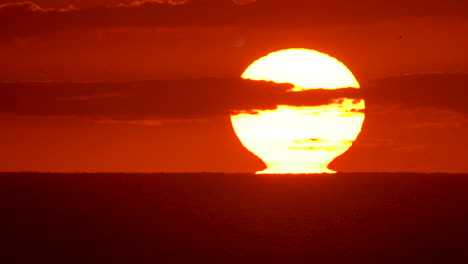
(234, 218)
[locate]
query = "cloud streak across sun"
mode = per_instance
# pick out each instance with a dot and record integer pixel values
(202, 98)
(165, 99)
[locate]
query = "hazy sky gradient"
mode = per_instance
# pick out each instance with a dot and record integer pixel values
(411, 63)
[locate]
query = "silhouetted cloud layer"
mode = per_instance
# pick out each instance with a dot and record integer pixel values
(201, 98)
(176, 99)
(28, 18)
(446, 91)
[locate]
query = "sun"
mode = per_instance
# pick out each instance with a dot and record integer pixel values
(294, 139)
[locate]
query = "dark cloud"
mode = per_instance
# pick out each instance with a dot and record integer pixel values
(176, 99)
(443, 91)
(457, 123)
(318, 144)
(310, 140)
(28, 19)
(200, 98)
(31, 8)
(325, 148)
(135, 3)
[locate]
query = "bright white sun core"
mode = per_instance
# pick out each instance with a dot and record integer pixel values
(304, 139)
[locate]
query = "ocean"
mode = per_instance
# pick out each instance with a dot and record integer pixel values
(234, 218)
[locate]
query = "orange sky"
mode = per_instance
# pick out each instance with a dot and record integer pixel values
(411, 63)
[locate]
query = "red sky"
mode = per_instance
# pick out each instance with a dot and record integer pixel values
(409, 56)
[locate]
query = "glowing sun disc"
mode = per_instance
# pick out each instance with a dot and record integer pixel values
(306, 69)
(301, 139)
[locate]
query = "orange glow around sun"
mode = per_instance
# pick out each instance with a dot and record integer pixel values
(294, 139)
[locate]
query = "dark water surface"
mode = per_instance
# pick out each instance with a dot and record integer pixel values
(234, 218)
